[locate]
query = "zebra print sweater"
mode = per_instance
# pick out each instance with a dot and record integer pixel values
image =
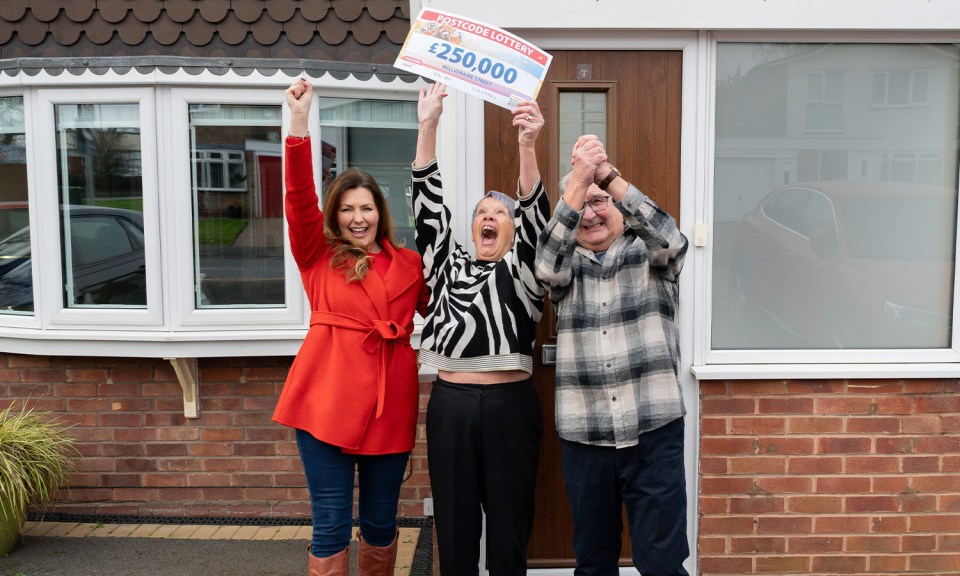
(482, 316)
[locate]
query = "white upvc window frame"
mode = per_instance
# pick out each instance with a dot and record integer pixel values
(47, 253)
(170, 327)
(180, 228)
(796, 364)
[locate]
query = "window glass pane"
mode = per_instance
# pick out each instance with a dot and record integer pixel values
(16, 273)
(580, 113)
(237, 194)
(377, 136)
(101, 205)
(843, 239)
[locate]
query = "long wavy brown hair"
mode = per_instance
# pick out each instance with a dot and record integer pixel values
(347, 256)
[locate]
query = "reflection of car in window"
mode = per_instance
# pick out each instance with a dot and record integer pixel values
(851, 264)
(106, 263)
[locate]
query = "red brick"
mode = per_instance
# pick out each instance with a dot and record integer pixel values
(858, 504)
(914, 464)
(937, 445)
(875, 387)
(247, 449)
(726, 485)
(815, 504)
(713, 426)
(726, 525)
(922, 425)
(938, 563)
(127, 450)
(815, 387)
(938, 404)
(949, 503)
(814, 425)
(758, 388)
(783, 564)
(784, 525)
(844, 564)
(164, 480)
(725, 565)
(873, 544)
(167, 449)
(35, 375)
(770, 406)
(815, 465)
(818, 544)
(947, 542)
(120, 419)
(24, 361)
(757, 544)
(756, 425)
(845, 445)
(135, 434)
(161, 389)
(875, 464)
(711, 546)
(131, 375)
(728, 446)
(177, 434)
(786, 445)
(890, 484)
(918, 543)
(207, 479)
(936, 523)
(845, 405)
(710, 465)
(842, 524)
(945, 483)
(208, 375)
(718, 406)
(9, 375)
(873, 424)
(758, 505)
(881, 564)
(785, 484)
(914, 503)
(843, 485)
(950, 464)
(222, 434)
(894, 405)
(714, 505)
(755, 465)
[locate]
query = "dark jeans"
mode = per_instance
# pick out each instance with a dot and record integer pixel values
(649, 479)
(483, 443)
(330, 475)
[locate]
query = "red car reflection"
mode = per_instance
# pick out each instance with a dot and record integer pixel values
(851, 264)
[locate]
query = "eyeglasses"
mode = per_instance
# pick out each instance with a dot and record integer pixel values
(598, 203)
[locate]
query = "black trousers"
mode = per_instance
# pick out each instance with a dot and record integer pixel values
(483, 444)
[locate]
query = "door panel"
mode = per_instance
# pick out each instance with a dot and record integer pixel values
(642, 91)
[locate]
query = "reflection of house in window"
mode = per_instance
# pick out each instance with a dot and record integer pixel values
(824, 100)
(893, 88)
(220, 170)
(919, 167)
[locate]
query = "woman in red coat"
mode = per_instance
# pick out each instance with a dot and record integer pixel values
(352, 392)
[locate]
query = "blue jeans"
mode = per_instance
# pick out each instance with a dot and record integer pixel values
(330, 475)
(649, 479)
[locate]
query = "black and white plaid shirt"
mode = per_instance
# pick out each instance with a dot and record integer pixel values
(618, 348)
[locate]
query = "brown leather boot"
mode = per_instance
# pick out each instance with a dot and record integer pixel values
(376, 560)
(336, 565)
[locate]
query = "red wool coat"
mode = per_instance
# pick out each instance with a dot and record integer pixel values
(354, 381)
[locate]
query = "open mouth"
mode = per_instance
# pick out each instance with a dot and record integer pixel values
(488, 235)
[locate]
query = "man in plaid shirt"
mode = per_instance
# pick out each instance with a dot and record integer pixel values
(609, 259)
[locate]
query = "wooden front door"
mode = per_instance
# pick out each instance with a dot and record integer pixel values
(632, 100)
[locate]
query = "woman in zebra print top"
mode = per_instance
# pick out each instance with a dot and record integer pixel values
(483, 419)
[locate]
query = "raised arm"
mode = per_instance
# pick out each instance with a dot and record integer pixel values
(529, 120)
(301, 204)
(429, 109)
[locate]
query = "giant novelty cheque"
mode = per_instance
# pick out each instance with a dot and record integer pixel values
(477, 58)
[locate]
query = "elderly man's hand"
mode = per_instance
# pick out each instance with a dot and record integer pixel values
(529, 120)
(588, 155)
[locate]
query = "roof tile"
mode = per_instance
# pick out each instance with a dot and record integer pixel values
(44, 10)
(248, 10)
(165, 30)
(64, 30)
(232, 30)
(405, 9)
(16, 48)
(366, 29)
(314, 11)
(281, 10)
(50, 48)
(397, 30)
(382, 10)
(331, 31)
(98, 30)
(180, 10)
(214, 10)
(12, 10)
(299, 30)
(84, 47)
(149, 10)
(132, 31)
(266, 31)
(6, 31)
(199, 32)
(348, 10)
(113, 11)
(78, 10)
(31, 31)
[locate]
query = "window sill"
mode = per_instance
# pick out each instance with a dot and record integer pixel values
(824, 371)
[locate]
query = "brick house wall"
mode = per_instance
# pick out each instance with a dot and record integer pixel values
(830, 477)
(141, 456)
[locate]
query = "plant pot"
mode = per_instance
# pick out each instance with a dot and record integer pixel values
(9, 530)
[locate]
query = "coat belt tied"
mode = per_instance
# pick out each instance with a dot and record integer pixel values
(379, 332)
